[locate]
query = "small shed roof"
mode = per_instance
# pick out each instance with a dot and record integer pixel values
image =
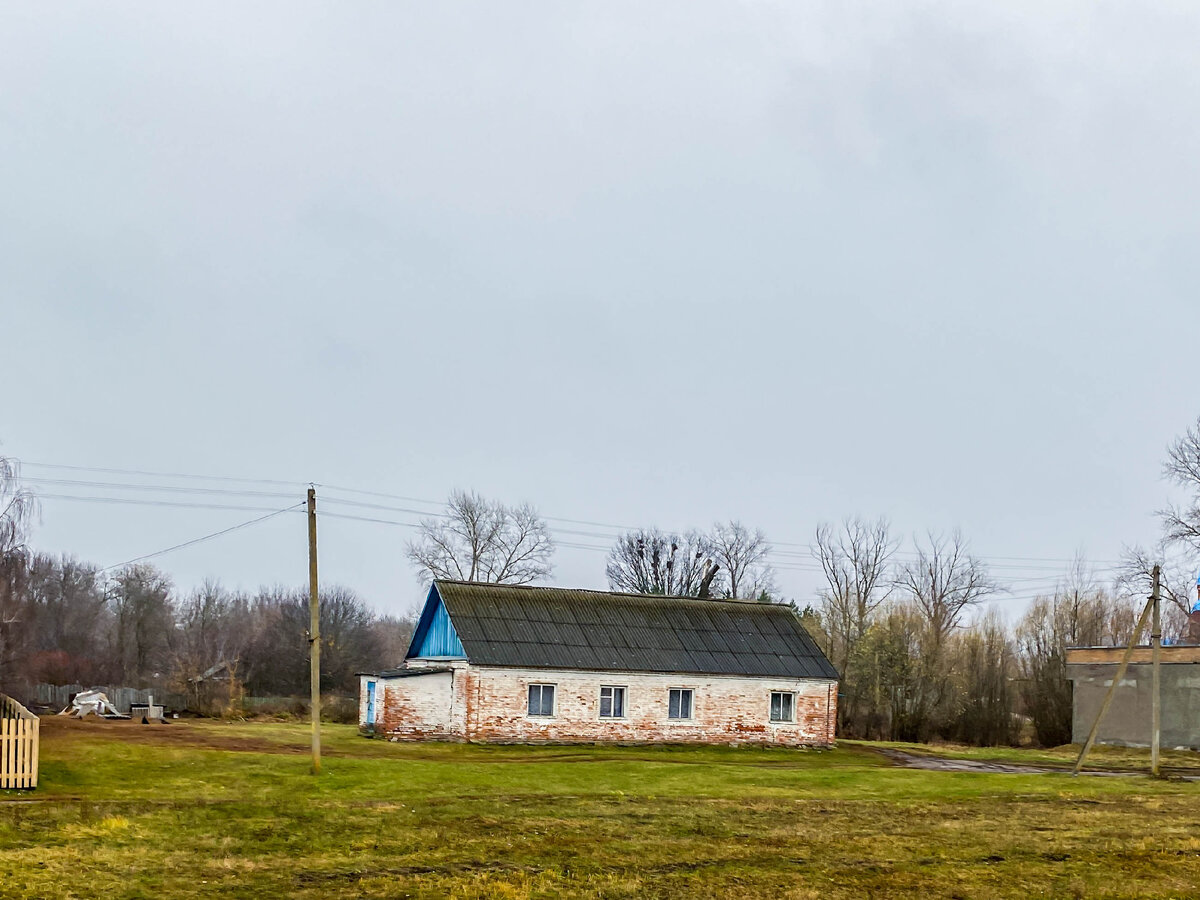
(559, 628)
(414, 672)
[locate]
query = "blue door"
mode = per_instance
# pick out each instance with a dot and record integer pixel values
(370, 703)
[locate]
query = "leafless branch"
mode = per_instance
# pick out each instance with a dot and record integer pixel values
(480, 540)
(944, 581)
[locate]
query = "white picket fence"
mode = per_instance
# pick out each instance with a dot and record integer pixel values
(18, 745)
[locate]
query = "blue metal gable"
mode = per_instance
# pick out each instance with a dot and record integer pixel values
(435, 637)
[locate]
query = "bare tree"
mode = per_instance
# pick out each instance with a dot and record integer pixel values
(1079, 613)
(212, 630)
(855, 559)
(16, 513)
(67, 614)
(143, 624)
(986, 664)
(17, 508)
(392, 634)
(1181, 524)
(742, 556)
(347, 636)
(944, 581)
(1134, 582)
(650, 561)
(1176, 550)
(1080, 605)
(481, 540)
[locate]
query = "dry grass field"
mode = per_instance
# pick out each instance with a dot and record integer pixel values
(212, 809)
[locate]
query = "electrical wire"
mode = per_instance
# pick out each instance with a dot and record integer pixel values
(200, 540)
(42, 465)
(796, 560)
(333, 515)
(130, 501)
(164, 488)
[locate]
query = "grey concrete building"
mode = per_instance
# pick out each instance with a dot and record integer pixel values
(1091, 670)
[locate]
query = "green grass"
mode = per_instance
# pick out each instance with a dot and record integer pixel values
(206, 809)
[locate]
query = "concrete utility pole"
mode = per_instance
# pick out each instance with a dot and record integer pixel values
(1155, 648)
(1112, 688)
(314, 633)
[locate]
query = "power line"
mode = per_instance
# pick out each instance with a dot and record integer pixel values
(788, 557)
(303, 484)
(386, 496)
(350, 490)
(200, 540)
(42, 465)
(130, 501)
(332, 515)
(788, 564)
(325, 498)
(799, 556)
(164, 488)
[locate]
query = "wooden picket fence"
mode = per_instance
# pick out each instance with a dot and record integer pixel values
(18, 745)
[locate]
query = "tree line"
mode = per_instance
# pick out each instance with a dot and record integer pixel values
(921, 659)
(67, 622)
(916, 660)
(919, 654)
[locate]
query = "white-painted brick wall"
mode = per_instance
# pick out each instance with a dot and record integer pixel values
(491, 704)
(417, 707)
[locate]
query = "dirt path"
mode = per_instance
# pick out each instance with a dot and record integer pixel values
(945, 764)
(179, 732)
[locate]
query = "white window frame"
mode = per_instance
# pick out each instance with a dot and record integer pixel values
(541, 685)
(791, 695)
(691, 692)
(614, 688)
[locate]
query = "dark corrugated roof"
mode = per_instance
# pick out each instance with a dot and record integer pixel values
(413, 672)
(555, 628)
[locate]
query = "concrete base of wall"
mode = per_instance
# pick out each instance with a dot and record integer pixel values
(457, 739)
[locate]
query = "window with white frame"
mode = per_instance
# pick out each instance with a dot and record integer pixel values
(612, 702)
(783, 706)
(679, 703)
(541, 700)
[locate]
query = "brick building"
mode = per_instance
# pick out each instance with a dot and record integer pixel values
(504, 663)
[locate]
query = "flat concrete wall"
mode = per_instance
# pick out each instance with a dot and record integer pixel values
(1128, 719)
(491, 704)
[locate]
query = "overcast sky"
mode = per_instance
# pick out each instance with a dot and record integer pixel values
(634, 263)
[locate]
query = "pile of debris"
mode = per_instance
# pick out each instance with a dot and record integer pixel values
(87, 703)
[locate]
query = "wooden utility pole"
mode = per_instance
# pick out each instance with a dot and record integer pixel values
(314, 633)
(1112, 688)
(1155, 648)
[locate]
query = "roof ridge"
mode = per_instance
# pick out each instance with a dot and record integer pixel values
(741, 601)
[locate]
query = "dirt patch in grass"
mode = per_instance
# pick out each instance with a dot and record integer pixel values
(291, 740)
(180, 733)
(1114, 762)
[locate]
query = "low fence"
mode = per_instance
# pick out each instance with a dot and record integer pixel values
(18, 745)
(335, 707)
(59, 696)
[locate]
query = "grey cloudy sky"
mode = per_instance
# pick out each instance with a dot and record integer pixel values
(634, 263)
